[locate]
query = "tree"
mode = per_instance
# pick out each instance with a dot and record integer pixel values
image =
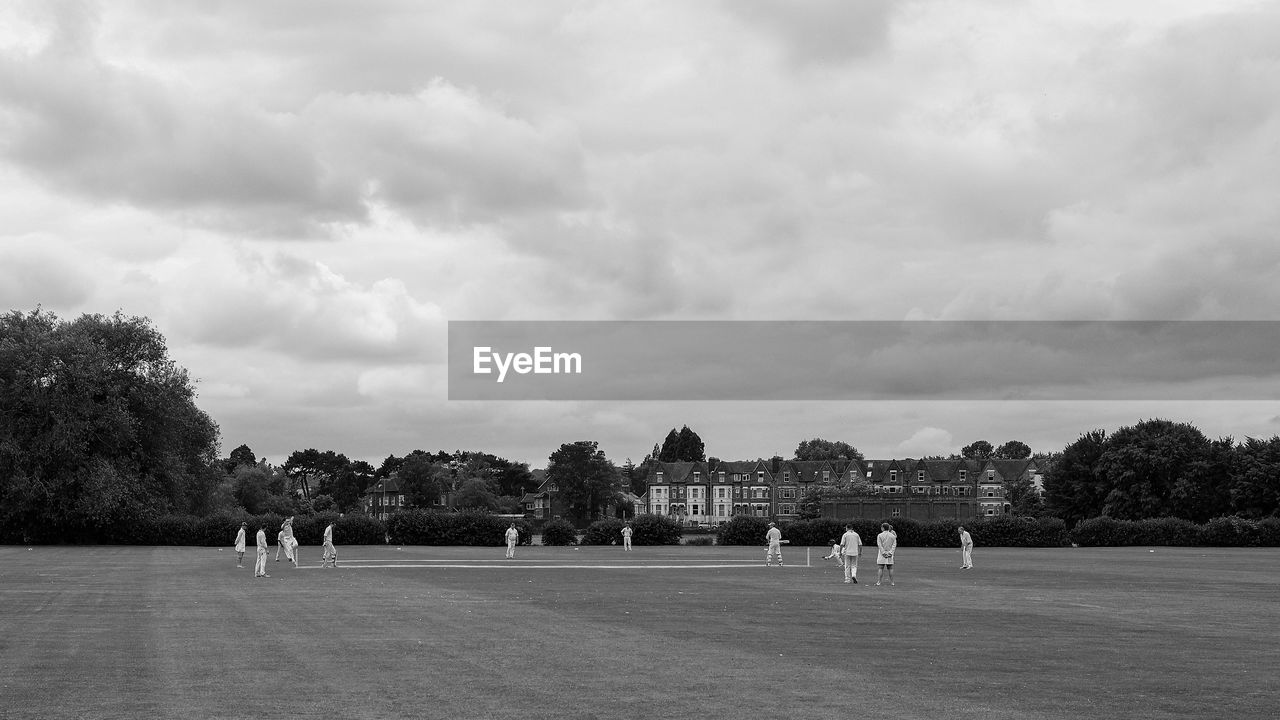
(313, 472)
(810, 505)
(978, 450)
(584, 478)
(683, 445)
(97, 425)
(1072, 489)
(819, 449)
(242, 456)
(475, 493)
(420, 480)
(1254, 489)
(1012, 450)
(1024, 498)
(1159, 468)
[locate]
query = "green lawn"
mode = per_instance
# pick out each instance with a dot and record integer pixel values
(1072, 633)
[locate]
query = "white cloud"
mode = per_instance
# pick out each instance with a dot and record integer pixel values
(926, 441)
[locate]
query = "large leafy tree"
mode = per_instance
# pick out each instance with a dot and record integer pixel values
(683, 445)
(1012, 450)
(1072, 489)
(977, 450)
(1254, 489)
(819, 449)
(315, 472)
(584, 478)
(97, 424)
(1159, 468)
(421, 479)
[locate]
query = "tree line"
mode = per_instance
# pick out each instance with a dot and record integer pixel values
(99, 425)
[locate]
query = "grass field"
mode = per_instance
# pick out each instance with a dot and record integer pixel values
(672, 632)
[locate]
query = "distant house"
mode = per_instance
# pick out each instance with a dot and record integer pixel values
(383, 498)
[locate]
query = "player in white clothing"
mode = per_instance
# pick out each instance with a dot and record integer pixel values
(626, 536)
(240, 545)
(774, 539)
(835, 553)
(285, 541)
(260, 568)
(886, 544)
(850, 547)
(513, 537)
(966, 550)
(330, 552)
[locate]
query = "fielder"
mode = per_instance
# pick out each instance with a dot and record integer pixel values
(626, 537)
(886, 543)
(774, 539)
(260, 569)
(330, 552)
(850, 547)
(240, 545)
(513, 537)
(835, 553)
(966, 550)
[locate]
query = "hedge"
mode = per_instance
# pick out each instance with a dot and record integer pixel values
(559, 532)
(1218, 532)
(649, 529)
(604, 532)
(1003, 531)
(431, 527)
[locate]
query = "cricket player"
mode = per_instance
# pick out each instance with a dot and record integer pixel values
(240, 545)
(286, 541)
(886, 544)
(835, 553)
(260, 569)
(966, 550)
(850, 549)
(330, 552)
(513, 537)
(626, 537)
(774, 539)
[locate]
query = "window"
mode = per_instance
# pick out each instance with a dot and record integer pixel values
(920, 490)
(896, 512)
(964, 475)
(919, 476)
(787, 509)
(786, 476)
(402, 500)
(721, 476)
(788, 492)
(697, 509)
(737, 492)
(893, 476)
(659, 476)
(760, 475)
(826, 476)
(991, 475)
(697, 476)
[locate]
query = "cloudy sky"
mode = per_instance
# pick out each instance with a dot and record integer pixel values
(301, 195)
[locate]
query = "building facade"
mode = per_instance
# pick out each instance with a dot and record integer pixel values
(695, 493)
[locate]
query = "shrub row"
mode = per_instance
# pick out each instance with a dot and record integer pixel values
(428, 527)
(1004, 531)
(645, 530)
(1218, 532)
(214, 530)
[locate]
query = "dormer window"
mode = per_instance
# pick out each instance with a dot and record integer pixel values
(893, 476)
(964, 475)
(919, 476)
(786, 476)
(697, 476)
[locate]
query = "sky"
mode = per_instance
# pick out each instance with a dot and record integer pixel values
(301, 196)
